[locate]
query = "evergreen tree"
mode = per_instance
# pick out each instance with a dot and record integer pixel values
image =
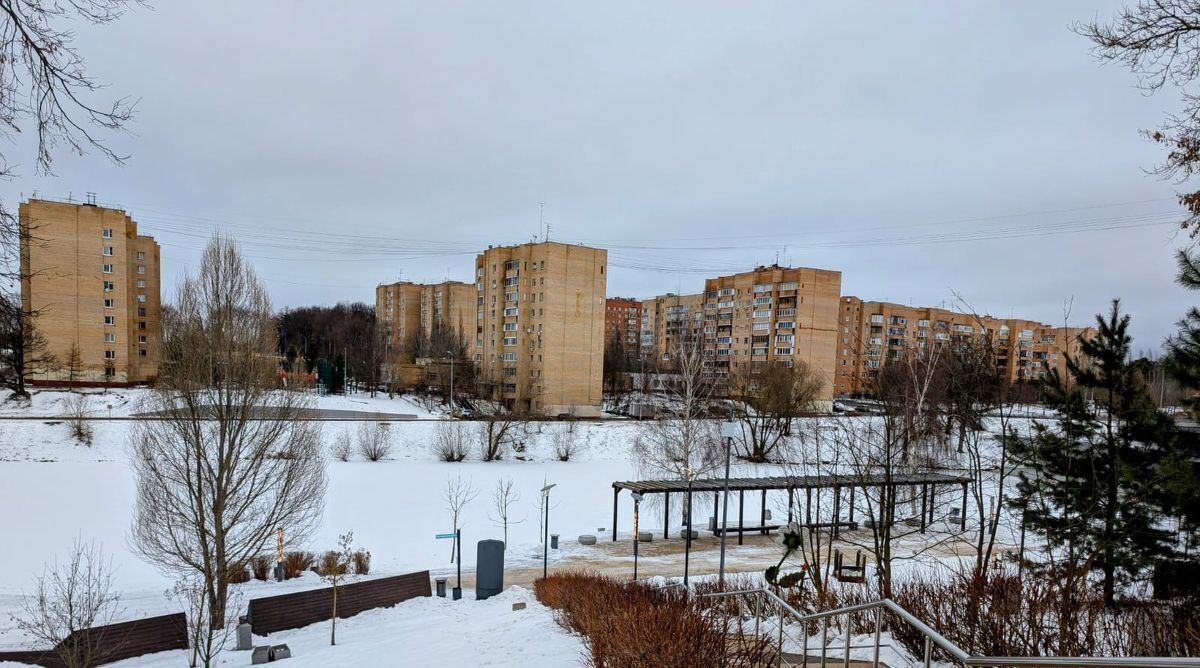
(1184, 348)
(1096, 491)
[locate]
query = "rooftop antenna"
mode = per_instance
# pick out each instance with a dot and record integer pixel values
(91, 198)
(542, 221)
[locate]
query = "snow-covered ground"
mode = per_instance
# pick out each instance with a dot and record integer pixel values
(53, 490)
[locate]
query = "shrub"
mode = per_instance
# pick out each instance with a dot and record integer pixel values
(295, 563)
(450, 441)
(261, 566)
(565, 445)
(374, 440)
(76, 407)
(331, 562)
(362, 562)
(236, 573)
(630, 624)
(342, 449)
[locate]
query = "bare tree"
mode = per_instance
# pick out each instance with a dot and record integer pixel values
(450, 441)
(500, 420)
(335, 568)
(1159, 42)
(68, 601)
(374, 440)
(503, 499)
(204, 643)
(767, 399)
(23, 347)
(685, 445)
(72, 363)
(459, 492)
(819, 455)
(227, 458)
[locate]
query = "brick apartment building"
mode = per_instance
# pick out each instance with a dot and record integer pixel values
(539, 336)
(871, 334)
(404, 308)
(93, 283)
(773, 314)
(666, 322)
(623, 318)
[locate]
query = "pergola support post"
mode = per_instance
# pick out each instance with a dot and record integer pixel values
(741, 515)
(616, 494)
(837, 508)
(924, 505)
(963, 523)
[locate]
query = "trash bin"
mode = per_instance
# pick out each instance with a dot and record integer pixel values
(553, 541)
(441, 587)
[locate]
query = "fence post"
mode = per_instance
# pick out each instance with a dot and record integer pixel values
(928, 651)
(824, 639)
(878, 628)
(846, 651)
(780, 651)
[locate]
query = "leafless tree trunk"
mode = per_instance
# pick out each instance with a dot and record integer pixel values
(459, 492)
(335, 568)
(23, 347)
(503, 499)
(767, 399)
(227, 457)
(79, 418)
(450, 441)
(204, 643)
(67, 600)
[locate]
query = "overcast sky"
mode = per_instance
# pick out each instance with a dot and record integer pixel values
(956, 146)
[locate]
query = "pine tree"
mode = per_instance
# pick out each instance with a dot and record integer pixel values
(1183, 358)
(1095, 492)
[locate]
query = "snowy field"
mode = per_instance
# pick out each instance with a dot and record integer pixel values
(53, 490)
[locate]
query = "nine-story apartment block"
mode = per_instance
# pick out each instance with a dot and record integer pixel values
(406, 311)
(539, 334)
(773, 314)
(92, 283)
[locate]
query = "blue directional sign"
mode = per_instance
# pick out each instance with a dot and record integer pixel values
(446, 535)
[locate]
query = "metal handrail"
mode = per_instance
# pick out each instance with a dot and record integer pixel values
(956, 652)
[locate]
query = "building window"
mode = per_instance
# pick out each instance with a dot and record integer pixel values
(107, 269)
(142, 339)
(510, 340)
(509, 357)
(142, 324)
(108, 303)
(142, 352)
(141, 311)
(110, 320)
(109, 337)
(107, 233)
(141, 269)
(108, 250)
(142, 298)
(108, 286)
(141, 255)
(110, 354)
(141, 284)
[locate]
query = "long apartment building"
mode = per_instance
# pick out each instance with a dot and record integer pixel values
(405, 309)
(93, 284)
(622, 321)
(667, 321)
(773, 314)
(539, 336)
(872, 334)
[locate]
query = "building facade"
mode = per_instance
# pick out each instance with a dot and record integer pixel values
(872, 334)
(442, 314)
(539, 335)
(668, 321)
(773, 314)
(623, 320)
(93, 284)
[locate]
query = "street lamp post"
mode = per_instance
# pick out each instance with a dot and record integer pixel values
(451, 356)
(546, 529)
(729, 431)
(637, 501)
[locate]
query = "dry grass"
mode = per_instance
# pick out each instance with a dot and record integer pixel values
(295, 563)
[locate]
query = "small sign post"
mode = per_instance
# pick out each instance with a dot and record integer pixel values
(456, 593)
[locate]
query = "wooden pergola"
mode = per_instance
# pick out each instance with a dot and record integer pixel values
(929, 482)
